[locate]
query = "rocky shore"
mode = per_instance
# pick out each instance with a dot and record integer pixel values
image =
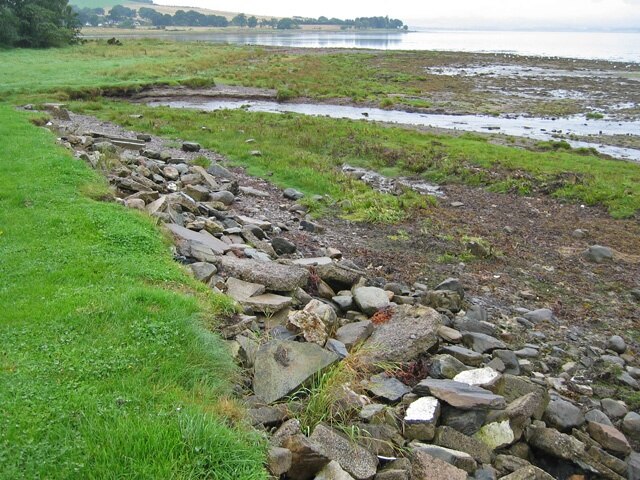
(438, 387)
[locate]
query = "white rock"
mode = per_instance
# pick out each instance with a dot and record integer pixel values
(479, 377)
(425, 409)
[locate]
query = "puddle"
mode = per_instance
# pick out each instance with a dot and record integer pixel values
(520, 71)
(541, 129)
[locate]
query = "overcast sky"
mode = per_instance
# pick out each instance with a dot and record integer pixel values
(449, 13)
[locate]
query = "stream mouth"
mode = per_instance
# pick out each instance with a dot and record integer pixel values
(539, 129)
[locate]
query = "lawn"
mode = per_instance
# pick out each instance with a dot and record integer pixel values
(106, 369)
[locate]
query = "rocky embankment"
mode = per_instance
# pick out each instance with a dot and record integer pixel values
(443, 389)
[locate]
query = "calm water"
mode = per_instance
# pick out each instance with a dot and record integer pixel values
(535, 128)
(586, 45)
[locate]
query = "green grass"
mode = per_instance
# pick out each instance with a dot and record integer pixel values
(106, 370)
(307, 152)
(90, 68)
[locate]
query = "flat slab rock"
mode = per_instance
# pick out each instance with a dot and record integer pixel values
(185, 235)
(359, 462)
(274, 276)
(410, 332)
(283, 366)
(460, 395)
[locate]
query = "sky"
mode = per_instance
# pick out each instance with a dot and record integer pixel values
(449, 13)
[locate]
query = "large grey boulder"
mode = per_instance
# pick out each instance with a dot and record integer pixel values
(609, 437)
(466, 356)
(631, 425)
(482, 343)
(386, 388)
(352, 334)
(354, 459)
(339, 275)
(275, 276)
(452, 284)
(598, 254)
(409, 333)
(460, 395)
(281, 367)
(617, 344)
(370, 299)
(540, 315)
(563, 415)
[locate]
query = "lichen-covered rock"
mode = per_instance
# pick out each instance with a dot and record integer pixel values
(409, 333)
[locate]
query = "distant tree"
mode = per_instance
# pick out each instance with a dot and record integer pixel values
(239, 20)
(8, 27)
(37, 23)
(252, 22)
(119, 13)
(286, 24)
(89, 16)
(265, 22)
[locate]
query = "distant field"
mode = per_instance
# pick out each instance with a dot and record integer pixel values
(107, 4)
(104, 3)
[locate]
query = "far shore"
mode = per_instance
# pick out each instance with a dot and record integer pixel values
(97, 32)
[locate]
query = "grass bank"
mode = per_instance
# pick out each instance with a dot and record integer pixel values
(307, 152)
(105, 368)
(387, 78)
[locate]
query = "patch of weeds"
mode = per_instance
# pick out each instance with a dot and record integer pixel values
(327, 398)
(201, 161)
(417, 103)
(40, 120)
(387, 103)
(553, 145)
(198, 82)
(108, 162)
(594, 116)
(449, 258)
(401, 235)
(284, 94)
(521, 186)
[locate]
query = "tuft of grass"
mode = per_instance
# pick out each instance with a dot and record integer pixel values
(106, 370)
(201, 161)
(326, 398)
(594, 116)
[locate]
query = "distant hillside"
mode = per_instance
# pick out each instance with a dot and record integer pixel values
(136, 4)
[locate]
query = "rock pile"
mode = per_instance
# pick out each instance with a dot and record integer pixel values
(447, 393)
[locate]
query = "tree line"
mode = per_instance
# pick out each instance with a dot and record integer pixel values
(126, 17)
(53, 23)
(37, 23)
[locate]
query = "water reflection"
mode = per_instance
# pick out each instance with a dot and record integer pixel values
(535, 128)
(589, 45)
